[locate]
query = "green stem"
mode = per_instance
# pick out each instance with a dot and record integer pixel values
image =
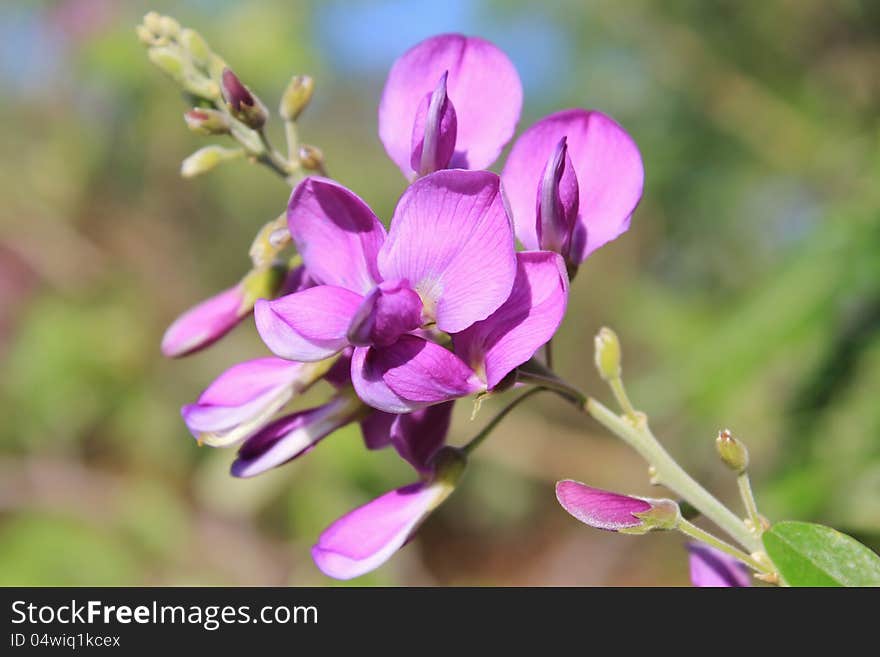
(474, 442)
(748, 498)
(695, 532)
(622, 398)
(671, 474)
(272, 158)
(551, 382)
(292, 137)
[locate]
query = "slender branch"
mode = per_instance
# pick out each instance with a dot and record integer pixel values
(695, 532)
(671, 474)
(548, 354)
(474, 442)
(616, 385)
(748, 498)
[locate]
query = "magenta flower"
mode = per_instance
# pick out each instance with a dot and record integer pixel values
(447, 264)
(613, 512)
(243, 399)
(712, 568)
(573, 180)
(449, 102)
(204, 324)
(365, 538)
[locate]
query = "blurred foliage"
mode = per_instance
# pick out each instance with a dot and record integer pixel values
(746, 295)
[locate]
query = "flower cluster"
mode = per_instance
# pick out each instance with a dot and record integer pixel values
(439, 307)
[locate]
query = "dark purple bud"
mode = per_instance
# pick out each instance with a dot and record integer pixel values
(434, 131)
(557, 205)
(243, 105)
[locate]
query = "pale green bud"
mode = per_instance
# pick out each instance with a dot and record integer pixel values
(296, 97)
(146, 37)
(261, 283)
(153, 22)
(168, 27)
(607, 354)
(168, 60)
(196, 46)
(732, 452)
(205, 159)
(204, 121)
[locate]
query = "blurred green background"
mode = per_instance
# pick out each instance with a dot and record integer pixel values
(747, 294)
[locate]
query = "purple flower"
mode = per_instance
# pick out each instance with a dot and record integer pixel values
(243, 399)
(573, 180)
(205, 323)
(447, 264)
(450, 102)
(365, 538)
(712, 568)
(294, 435)
(613, 512)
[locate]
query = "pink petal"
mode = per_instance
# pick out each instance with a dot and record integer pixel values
(452, 240)
(204, 324)
(364, 539)
(386, 313)
(376, 429)
(307, 326)
(599, 508)
(609, 173)
(336, 233)
(292, 436)
(526, 321)
(434, 131)
(409, 375)
(712, 568)
(482, 84)
(244, 395)
(417, 436)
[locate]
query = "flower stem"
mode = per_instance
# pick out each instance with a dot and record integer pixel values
(474, 442)
(695, 532)
(671, 474)
(616, 385)
(548, 354)
(748, 498)
(290, 133)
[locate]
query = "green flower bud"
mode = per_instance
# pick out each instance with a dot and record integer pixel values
(732, 452)
(296, 97)
(153, 22)
(607, 354)
(196, 46)
(144, 35)
(206, 121)
(205, 159)
(168, 27)
(168, 60)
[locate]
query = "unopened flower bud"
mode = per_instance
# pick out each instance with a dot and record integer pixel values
(732, 452)
(296, 97)
(607, 354)
(196, 46)
(145, 35)
(153, 22)
(311, 157)
(168, 27)
(614, 512)
(205, 159)
(168, 60)
(243, 105)
(206, 121)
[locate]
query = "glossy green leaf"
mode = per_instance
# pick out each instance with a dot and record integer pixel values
(807, 554)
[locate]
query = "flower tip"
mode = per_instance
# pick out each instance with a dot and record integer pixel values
(732, 452)
(614, 512)
(607, 354)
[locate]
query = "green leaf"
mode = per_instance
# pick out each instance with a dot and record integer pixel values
(813, 555)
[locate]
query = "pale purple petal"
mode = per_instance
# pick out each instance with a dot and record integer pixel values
(452, 240)
(364, 539)
(336, 233)
(297, 280)
(292, 436)
(204, 324)
(712, 568)
(417, 436)
(599, 508)
(482, 84)
(243, 397)
(609, 173)
(433, 137)
(410, 374)
(307, 326)
(390, 310)
(526, 321)
(376, 429)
